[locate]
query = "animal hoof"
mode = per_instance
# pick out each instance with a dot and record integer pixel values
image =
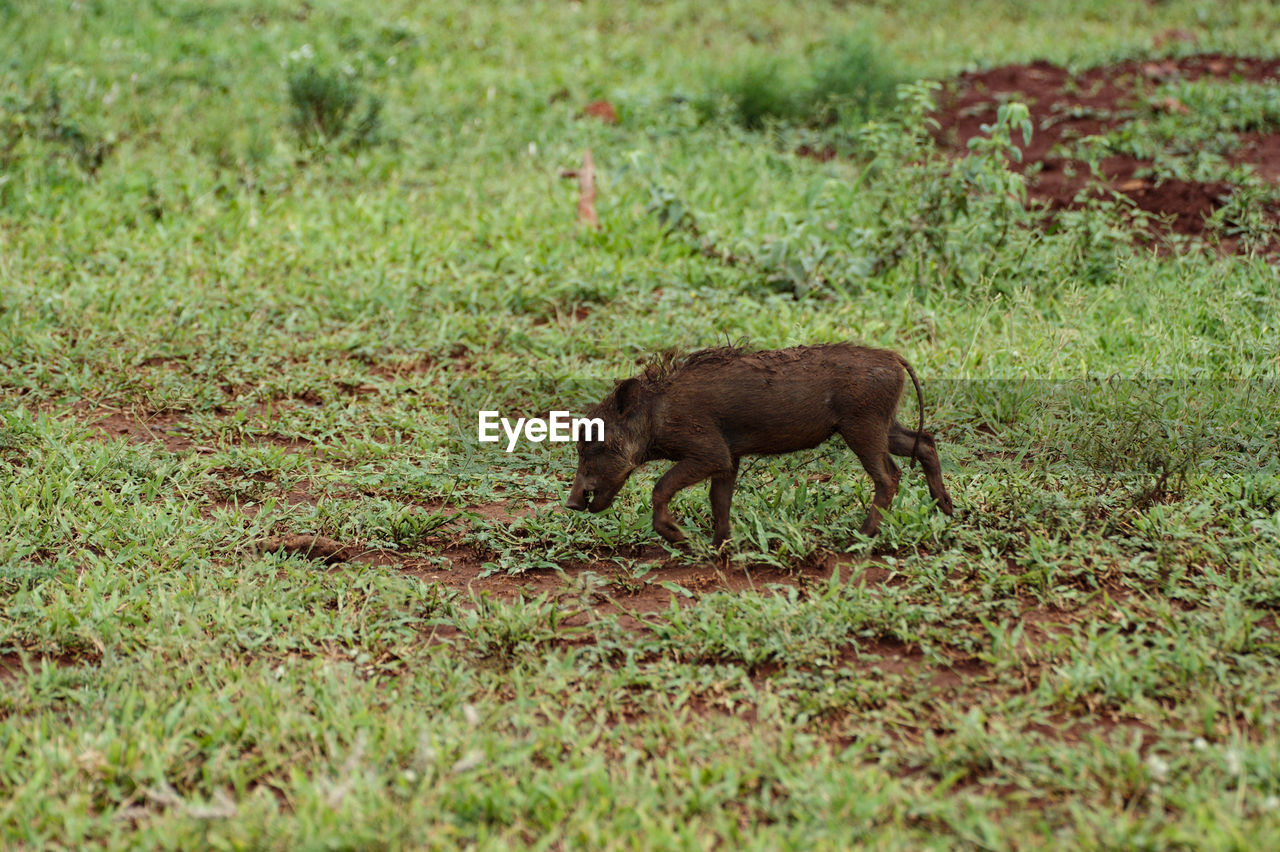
(671, 533)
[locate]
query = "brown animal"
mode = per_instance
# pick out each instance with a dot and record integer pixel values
(707, 410)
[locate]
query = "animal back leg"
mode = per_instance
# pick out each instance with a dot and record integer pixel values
(872, 448)
(901, 443)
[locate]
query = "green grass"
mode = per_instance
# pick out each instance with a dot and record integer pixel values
(1084, 658)
(846, 82)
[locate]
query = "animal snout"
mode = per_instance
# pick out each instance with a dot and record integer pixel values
(579, 495)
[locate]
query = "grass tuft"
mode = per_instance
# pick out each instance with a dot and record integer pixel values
(844, 83)
(324, 109)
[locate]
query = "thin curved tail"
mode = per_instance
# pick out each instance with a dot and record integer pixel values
(920, 403)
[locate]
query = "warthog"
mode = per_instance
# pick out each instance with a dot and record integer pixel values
(707, 410)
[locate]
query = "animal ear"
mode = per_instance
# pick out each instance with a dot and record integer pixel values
(626, 396)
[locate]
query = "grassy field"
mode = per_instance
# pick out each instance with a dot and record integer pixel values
(261, 264)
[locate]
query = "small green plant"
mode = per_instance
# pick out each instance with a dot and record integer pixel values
(43, 120)
(324, 104)
(763, 92)
(978, 199)
(1249, 215)
(1144, 434)
(853, 80)
(1214, 104)
(846, 82)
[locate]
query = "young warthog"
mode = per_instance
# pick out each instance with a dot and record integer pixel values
(707, 410)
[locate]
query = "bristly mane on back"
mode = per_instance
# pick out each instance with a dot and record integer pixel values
(659, 369)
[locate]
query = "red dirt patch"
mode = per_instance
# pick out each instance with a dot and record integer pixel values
(1066, 108)
(633, 584)
(1260, 150)
(169, 428)
(661, 579)
(501, 511)
(602, 110)
(318, 547)
(164, 428)
(1074, 729)
(11, 665)
(822, 155)
(458, 359)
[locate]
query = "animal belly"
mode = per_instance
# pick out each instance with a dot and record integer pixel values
(774, 438)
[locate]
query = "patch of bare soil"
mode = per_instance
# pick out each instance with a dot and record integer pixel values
(1077, 729)
(165, 428)
(170, 429)
(661, 579)
(1260, 150)
(318, 547)
(601, 110)
(501, 511)
(887, 656)
(1066, 108)
(458, 360)
(563, 316)
(11, 665)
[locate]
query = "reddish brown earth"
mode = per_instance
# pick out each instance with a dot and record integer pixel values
(664, 579)
(170, 430)
(602, 110)
(1066, 108)
(164, 429)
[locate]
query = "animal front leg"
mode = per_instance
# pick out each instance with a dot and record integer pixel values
(685, 473)
(721, 500)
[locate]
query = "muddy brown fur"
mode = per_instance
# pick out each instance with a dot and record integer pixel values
(707, 410)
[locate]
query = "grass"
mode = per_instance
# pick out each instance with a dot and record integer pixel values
(297, 331)
(847, 83)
